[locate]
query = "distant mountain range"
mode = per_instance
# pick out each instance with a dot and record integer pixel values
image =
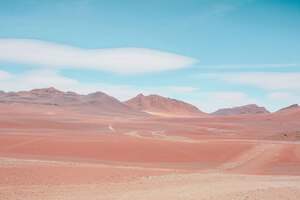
(98, 102)
(141, 105)
(247, 109)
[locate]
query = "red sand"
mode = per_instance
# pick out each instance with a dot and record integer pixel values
(53, 145)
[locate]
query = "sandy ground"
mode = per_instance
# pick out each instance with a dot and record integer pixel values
(60, 180)
(209, 188)
(49, 152)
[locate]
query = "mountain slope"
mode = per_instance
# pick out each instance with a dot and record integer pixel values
(289, 113)
(247, 109)
(156, 104)
(290, 108)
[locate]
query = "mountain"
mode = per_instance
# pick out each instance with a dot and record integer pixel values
(156, 104)
(289, 113)
(108, 104)
(47, 96)
(2, 93)
(98, 102)
(289, 108)
(247, 109)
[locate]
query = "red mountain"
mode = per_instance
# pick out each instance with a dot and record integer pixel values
(293, 107)
(290, 112)
(156, 104)
(98, 102)
(247, 109)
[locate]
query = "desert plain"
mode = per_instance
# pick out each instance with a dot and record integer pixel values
(56, 152)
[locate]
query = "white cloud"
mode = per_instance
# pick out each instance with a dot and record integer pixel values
(4, 75)
(46, 78)
(118, 60)
(262, 65)
(265, 80)
(284, 97)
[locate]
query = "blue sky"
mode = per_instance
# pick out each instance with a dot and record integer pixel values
(210, 53)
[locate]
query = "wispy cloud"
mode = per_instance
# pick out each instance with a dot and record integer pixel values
(4, 75)
(264, 80)
(35, 79)
(284, 97)
(46, 78)
(119, 60)
(251, 66)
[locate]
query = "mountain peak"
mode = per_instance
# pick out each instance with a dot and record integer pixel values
(96, 94)
(140, 95)
(51, 90)
(154, 103)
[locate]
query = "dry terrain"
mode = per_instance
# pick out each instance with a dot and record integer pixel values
(54, 152)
